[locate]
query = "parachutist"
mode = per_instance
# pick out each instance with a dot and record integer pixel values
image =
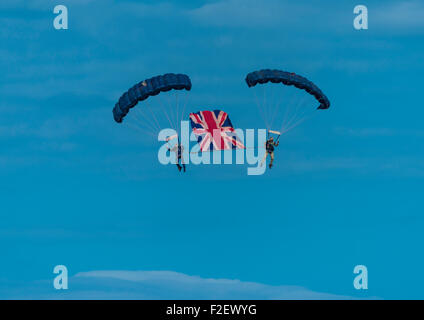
(264, 76)
(269, 147)
(179, 149)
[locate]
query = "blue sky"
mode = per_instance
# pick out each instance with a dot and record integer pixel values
(80, 190)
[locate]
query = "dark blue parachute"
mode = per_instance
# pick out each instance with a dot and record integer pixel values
(290, 79)
(149, 87)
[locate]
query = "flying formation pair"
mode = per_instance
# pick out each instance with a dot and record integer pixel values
(206, 124)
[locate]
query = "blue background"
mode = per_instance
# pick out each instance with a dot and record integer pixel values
(78, 189)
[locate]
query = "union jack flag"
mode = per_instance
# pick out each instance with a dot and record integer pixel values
(214, 131)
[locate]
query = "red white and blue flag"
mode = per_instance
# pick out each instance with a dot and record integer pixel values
(214, 131)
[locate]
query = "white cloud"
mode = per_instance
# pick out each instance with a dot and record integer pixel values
(174, 285)
(162, 285)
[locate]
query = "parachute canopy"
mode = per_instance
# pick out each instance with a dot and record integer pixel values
(149, 87)
(290, 79)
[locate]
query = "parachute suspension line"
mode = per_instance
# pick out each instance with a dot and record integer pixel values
(269, 106)
(264, 106)
(275, 105)
(178, 114)
(141, 127)
(184, 106)
(183, 110)
(258, 105)
(169, 120)
(140, 130)
(306, 114)
(291, 114)
(289, 108)
(168, 110)
(138, 123)
(276, 109)
(301, 117)
(276, 113)
(175, 111)
(294, 113)
(154, 117)
(171, 109)
(269, 109)
(146, 123)
(272, 107)
(155, 123)
(300, 121)
(165, 113)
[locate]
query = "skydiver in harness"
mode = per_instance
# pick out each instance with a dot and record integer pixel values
(178, 149)
(269, 149)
